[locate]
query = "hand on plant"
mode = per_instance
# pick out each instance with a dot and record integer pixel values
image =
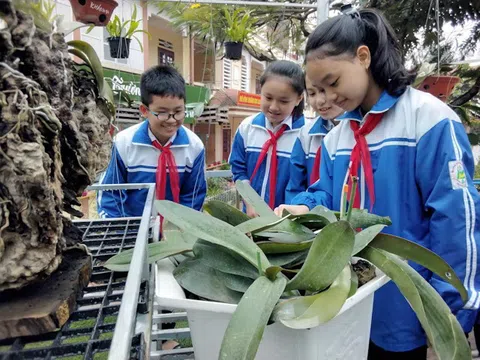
(292, 209)
(251, 211)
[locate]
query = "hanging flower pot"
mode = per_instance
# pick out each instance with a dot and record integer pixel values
(119, 47)
(233, 50)
(439, 85)
(96, 12)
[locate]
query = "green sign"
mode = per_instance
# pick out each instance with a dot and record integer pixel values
(196, 96)
(121, 80)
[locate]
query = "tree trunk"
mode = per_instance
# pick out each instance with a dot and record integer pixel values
(53, 141)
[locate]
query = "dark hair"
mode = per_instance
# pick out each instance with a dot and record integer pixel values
(295, 76)
(161, 80)
(345, 33)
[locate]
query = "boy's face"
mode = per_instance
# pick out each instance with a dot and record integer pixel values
(165, 115)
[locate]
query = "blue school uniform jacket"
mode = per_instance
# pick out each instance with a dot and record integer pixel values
(247, 144)
(303, 155)
(422, 167)
(134, 160)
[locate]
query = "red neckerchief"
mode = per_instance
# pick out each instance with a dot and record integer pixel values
(315, 175)
(361, 155)
(166, 160)
(273, 164)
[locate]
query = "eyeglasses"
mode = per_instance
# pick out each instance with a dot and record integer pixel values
(164, 116)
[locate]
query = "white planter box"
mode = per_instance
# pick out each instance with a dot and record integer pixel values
(345, 337)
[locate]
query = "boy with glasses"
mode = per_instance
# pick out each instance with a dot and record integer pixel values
(159, 150)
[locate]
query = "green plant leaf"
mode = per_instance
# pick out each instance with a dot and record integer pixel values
(225, 212)
(197, 277)
(90, 28)
(118, 27)
(111, 27)
(224, 260)
(139, 43)
(134, 14)
(285, 259)
(258, 224)
(156, 251)
(178, 236)
(361, 218)
(133, 26)
(364, 237)
(252, 198)
(124, 26)
(422, 256)
(285, 231)
(319, 214)
(93, 61)
(67, 27)
(143, 31)
(81, 55)
(330, 252)
(236, 282)
(297, 264)
(312, 221)
(245, 330)
(212, 230)
(107, 94)
(272, 272)
(442, 328)
(310, 311)
(270, 247)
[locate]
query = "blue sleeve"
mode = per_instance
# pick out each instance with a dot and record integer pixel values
(320, 192)
(238, 159)
(298, 181)
(444, 171)
(111, 203)
(194, 188)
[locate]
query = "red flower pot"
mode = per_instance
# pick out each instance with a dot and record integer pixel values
(439, 85)
(96, 12)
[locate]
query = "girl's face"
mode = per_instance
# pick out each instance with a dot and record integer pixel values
(278, 99)
(318, 101)
(345, 80)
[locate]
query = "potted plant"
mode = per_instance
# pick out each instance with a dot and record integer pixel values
(440, 86)
(121, 33)
(239, 28)
(93, 11)
(296, 272)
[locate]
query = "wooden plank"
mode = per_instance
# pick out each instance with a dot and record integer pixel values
(45, 306)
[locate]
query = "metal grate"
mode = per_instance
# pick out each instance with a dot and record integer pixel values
(89, 330)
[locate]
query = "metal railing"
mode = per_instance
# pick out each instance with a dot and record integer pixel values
(138, 272)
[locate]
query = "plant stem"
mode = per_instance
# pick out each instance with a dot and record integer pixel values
(352, 196)
(343, 205)
(259, 264)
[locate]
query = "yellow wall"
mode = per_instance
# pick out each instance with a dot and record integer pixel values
(161, 29)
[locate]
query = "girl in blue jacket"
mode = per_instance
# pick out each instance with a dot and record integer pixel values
(306, 153)
(414, 163)
(263, 143)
